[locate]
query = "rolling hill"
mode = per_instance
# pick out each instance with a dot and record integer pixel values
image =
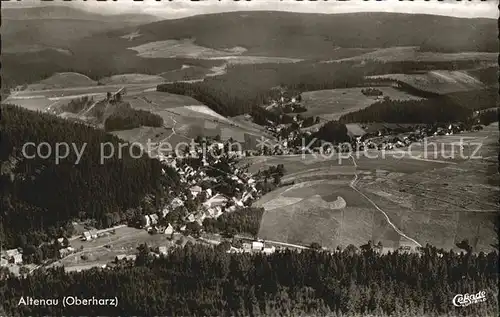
(54, 27)
(101, 46)
(304, 35)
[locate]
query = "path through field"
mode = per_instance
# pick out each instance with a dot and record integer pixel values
(352, 185)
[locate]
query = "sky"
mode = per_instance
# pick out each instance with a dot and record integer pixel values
(181, 8)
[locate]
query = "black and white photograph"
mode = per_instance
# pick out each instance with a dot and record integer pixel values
(249, 158)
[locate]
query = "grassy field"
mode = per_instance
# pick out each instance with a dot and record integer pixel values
(63, 80)
(186, 48)
(412, 53)
(440, 82)
(443, 204)
(185, 119)
(439, 201)
(103, 250)
(333, 103)
(325, 211)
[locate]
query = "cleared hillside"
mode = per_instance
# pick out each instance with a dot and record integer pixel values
(439, 82)
(304, 35)
(63, 80)
(55, 27)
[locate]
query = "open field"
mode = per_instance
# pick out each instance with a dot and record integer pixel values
(439, 82)
(333, 103)
(103, 250)
(412, 53)
(186, 73)
(131, 79)
(63, 80)
(438, 200)
(185, 119)
(186, 48)
(325, 211)
(181, 48)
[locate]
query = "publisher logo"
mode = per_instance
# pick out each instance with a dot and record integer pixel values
(463, 300)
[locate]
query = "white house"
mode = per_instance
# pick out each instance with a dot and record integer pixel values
(10, 253)
(195, 190)
(86, 236)
(154, 219)
(17, 258)
(165, 212)
(269, 250)
(169, 230)
(217, 200)
(146, 221)
(257, 246)
(208, 193)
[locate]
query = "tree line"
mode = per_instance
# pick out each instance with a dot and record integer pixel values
(204, 281)
(434, 110)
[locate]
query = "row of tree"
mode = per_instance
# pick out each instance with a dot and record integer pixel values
(434, 110)
(203, 281)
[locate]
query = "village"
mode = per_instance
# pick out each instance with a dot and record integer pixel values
(376, 136)
(216, 185)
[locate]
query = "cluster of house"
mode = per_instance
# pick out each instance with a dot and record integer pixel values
(213, 204)
(66, 251)
(379, 138)
(253, 247)
(95, 234)
(13, 256)
(125, 257)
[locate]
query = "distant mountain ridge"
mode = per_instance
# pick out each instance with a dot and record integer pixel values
(309, 34)
(68, 13)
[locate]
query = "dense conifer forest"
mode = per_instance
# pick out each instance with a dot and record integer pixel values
(245, 220)
(434, 110)
(131, 119)
(202, 281)
(40, 196)
(245, 87)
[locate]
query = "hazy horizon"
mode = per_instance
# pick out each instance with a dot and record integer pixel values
(174, 10)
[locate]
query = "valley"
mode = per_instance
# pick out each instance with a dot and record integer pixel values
(258, 163)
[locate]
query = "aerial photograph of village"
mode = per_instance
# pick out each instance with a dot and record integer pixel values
(263, 158)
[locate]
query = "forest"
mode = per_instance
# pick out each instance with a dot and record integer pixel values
(204, 281)
(131, 119)
(489, 116)
(241, 221)
(428, 111)
(39, 197)
(245, 87)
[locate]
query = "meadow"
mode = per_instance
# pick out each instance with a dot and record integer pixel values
(440, 201)
(333, 103)
(413, 53)
(438, 82)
